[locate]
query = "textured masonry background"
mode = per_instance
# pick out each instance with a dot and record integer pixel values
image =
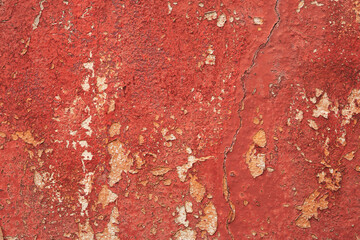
(179, 120)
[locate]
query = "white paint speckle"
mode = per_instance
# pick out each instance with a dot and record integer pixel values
(221, 20)
(181, 218)
(85, 125)
(37, 19)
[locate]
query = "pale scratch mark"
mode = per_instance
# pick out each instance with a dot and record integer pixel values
(37, 19)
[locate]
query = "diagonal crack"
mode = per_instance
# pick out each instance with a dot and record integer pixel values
(226, 190)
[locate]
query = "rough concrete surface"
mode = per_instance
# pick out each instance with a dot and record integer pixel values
(179, 119)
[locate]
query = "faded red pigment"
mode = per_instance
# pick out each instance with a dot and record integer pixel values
(182, 120)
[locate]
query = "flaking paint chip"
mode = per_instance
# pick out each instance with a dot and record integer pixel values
(210, 15)
(258, 21)
(255, 162)
(28, 138)
(197, 190)
(260, 138)
(221, 20)
(208, 222)
(310, 208)
(106, 196)
(120, 161)
(160, 171)
(114, 129)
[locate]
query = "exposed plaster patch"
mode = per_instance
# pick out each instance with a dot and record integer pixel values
(221, 20)
(85, 231)
(87, 182)
(120, 161)
(258, 21)
(28, 138)
(86, 155)
(322, 107)
(90, 66)
(317, 3)
(182, 170)
(85, 85)
(310, 208)
(181, 218)
(260, 138)
(160, 171)
(350, 156)
(318, 92)
(86, 125)
(197, 190)
(188, 207)
(356, 9)
(83, 143)
(331, 180)
(208, 222)
(342, 139)
(352, 107)
(255, 162)
(299, 115)
(186, 234)
(84, 204)
(100, 100)
(39, 179)
(210, 59)
(212, 15)
(114, 129)
(313, 124)
(111, 229)
(106, 196)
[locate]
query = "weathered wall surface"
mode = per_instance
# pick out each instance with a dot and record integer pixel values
(182, 120)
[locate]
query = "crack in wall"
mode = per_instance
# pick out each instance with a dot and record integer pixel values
(226, 190)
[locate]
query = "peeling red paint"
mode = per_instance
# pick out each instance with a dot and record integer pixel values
(182, 120)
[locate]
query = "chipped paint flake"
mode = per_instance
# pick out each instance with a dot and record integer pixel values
(28, 138)
(120, 161)
(255, 162)
(350, 156)
(106, 196)
(186, 234)
(86, 125)
(182, 170)
(197, 190)
(258, 21)
(160, 171)
(38, 180)
(310, 208)
(208, 222)
(85, 231)
(260, 138)
(86, 155)
(322, 107)
(212, 15)
(114, 129)
(352, 107)
(101, 84)
(84, 204)
(300, 5)
(111, 229)
(188, 207)
(37, 19)
(221, 20)
(313, 124)
(181, 218)
(87, 182)
(90, 66)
